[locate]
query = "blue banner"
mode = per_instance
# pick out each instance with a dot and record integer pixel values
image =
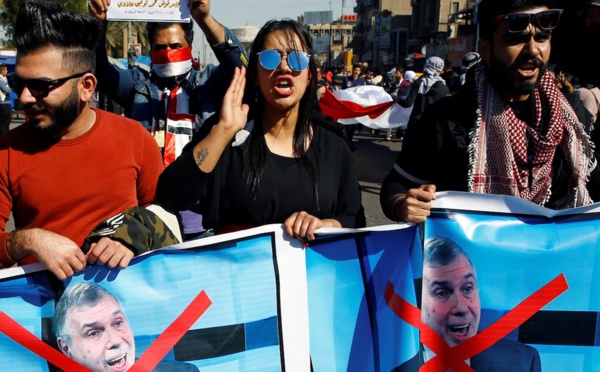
(487, 284)
(241, 330)
(535, 272)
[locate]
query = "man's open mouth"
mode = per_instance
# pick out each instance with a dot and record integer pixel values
(118, 362)
(460, 330)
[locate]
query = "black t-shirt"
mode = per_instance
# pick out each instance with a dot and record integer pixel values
(286, 186)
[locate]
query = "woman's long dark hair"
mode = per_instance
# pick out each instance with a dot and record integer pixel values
(253, 96)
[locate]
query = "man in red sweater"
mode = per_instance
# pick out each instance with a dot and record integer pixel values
(69, 166)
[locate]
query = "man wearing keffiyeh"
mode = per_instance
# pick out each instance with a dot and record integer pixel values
(426, 90)
(508, 131)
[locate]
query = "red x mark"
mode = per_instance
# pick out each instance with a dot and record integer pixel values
(454, 358)
(150, 359)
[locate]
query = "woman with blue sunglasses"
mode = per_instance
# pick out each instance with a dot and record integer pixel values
(268, 157)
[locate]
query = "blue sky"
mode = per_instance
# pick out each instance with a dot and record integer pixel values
(234, 13)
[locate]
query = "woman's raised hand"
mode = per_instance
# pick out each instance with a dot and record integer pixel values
(234, 113)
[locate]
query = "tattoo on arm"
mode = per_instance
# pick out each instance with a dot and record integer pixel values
(201, 156)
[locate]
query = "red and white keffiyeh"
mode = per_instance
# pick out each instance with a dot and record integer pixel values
(499, 161)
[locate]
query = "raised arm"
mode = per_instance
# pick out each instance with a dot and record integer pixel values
(224, 43)
(181, 183)
(116, 83)
(213, 30)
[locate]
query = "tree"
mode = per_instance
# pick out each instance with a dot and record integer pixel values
(114, 32)
(114, 37)
(10, 8)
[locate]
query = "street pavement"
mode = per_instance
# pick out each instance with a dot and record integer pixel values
(373, 159)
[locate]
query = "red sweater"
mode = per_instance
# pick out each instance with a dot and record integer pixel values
(70, 186)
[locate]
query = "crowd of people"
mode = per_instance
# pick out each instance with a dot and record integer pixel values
(219, 152)
(509, 130)
(223, 147)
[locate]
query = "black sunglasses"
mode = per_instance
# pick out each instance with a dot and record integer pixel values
(546, 20)
(39, 88)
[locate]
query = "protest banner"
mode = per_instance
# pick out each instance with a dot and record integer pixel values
(352, 300)
(242, 295)
(534, 284)
(351, 326)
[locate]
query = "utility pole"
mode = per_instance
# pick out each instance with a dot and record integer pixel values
(475, 16)
(377, 39)
(130, 51)
(330, 36)
(342, 25)
(205, 47)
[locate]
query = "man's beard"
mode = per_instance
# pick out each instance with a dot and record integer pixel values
(64, 116)
(504, 76)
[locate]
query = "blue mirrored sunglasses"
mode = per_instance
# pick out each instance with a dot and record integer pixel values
(271, 58)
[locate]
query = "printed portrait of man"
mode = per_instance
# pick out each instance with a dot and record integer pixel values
(451, 306)
(450, 299)
(92, 329)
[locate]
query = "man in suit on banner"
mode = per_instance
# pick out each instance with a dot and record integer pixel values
(92, 329)
(451, 307)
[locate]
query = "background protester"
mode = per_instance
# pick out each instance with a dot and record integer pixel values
(451, 77)
(396, 78)
(425, 91)
(590, 96)
(284, 167)
(469, 60)
(399, 88)
(377, 78)
(564, 82)
(353, 80)
(504, 142)
(5, 107)
(322, 84)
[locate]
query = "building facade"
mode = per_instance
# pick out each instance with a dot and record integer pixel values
(388, 33)
(404, 32)
(381, 32)
(333, 42)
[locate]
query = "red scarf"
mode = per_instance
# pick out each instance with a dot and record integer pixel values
(498, 151)
(180, 123)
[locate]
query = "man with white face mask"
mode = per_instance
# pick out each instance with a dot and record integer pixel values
(174, 100)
